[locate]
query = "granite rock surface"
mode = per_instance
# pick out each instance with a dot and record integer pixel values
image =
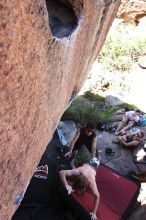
(132, 10)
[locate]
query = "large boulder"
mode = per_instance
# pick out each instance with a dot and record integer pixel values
(47, 49)
(132, 10)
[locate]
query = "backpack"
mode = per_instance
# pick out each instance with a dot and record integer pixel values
(142, 120)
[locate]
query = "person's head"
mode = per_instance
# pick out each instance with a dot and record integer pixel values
(90, 128)
(138, 112)
(94, 162)
(80, 184)
(139, 134)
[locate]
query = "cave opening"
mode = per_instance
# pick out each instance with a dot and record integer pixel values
(62, 18)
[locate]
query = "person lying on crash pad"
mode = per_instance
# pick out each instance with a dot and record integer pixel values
(79, 179)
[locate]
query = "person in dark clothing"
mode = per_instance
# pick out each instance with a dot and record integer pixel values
(84, 136)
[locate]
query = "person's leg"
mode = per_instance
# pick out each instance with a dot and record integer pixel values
(121, 133)
(120, 127)
(131, 146)
(123, 138)
(130, 124)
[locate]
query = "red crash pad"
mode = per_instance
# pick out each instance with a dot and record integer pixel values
(116, 195)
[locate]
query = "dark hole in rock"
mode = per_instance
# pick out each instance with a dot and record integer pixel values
(62, 18)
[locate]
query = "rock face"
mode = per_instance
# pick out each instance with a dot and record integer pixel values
(47, 49)
(132, 10)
